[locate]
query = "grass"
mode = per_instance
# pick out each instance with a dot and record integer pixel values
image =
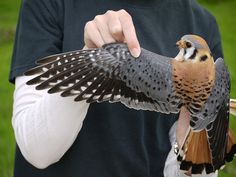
(224, 11)
(6, 133)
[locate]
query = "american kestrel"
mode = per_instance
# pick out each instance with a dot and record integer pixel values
(157, 83)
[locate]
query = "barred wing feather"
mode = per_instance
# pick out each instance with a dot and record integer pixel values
(110, 74)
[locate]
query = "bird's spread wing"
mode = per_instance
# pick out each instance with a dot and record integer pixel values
(110, 74)
(214, 116)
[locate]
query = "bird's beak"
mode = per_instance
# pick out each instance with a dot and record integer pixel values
(181, 44)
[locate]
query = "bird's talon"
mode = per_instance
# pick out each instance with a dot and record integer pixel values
(176, 148)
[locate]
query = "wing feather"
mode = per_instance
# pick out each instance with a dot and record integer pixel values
(218, 98)
(110, 74)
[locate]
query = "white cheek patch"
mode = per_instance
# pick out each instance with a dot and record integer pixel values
(189, 52)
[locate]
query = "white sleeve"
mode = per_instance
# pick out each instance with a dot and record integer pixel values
(45, 125)
(172, 166)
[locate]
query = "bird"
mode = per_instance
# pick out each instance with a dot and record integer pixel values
(153, 82)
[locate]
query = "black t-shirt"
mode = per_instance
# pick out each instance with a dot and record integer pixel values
(114, 140)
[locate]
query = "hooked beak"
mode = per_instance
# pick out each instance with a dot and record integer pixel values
(181, 44)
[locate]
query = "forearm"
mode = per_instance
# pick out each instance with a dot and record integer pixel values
(45, 125)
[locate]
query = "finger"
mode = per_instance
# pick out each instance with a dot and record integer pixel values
(114, 26)
(92, 36)
(129, 33)
(101, 23)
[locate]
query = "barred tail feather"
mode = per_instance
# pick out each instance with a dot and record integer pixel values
(196, 153)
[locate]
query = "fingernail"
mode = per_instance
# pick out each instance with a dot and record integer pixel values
(135, 52)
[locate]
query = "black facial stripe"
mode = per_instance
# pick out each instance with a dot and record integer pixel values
(194, 54)
(203, 58)
(185, 51)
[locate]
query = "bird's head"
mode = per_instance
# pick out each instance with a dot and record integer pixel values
(193, 48)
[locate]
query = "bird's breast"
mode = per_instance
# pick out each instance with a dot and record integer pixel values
(193, 82)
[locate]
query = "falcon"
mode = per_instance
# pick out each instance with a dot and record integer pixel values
(156, 83)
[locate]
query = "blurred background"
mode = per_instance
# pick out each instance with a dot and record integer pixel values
(223, 10)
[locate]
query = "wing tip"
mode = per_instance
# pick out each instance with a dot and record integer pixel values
(33, 81)
(31, 72)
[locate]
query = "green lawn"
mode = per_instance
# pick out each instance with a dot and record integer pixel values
(224, 10)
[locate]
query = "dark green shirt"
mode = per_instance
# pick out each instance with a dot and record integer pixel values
(114, 141)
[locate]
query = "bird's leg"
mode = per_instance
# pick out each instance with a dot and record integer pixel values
(182, 130)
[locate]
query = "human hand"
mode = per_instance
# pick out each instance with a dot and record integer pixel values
(113, 26)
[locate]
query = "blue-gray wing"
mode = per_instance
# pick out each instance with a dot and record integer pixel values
(219, 98)
(110, 74)
(214, 116)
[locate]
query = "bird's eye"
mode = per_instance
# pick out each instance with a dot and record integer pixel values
(188, 44)
(203, 58)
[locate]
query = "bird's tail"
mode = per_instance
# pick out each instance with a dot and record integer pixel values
(195, 154)
(233, 107)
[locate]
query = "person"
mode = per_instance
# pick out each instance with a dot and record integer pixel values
(57, 137)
